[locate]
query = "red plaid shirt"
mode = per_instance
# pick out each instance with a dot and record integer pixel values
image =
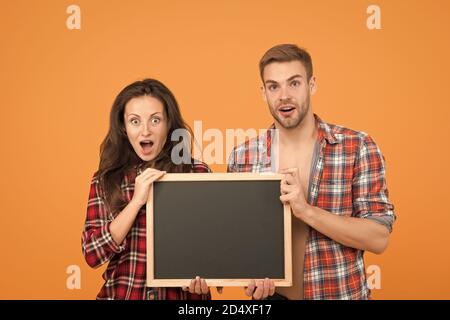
(125, 277)
(348, 179)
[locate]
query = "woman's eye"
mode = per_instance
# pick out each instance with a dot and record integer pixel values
(155, 121)
(134, 122)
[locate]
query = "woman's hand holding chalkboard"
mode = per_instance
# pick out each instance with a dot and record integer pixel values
(197, 286)
(260, 289)
(143, 183)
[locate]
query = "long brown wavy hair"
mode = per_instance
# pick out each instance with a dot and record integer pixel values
(117, 156)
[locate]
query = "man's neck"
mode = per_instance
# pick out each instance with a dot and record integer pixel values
(303, 134)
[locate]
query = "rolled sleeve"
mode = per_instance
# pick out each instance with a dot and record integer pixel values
(106, 239)
(370, 193)
(98, 245)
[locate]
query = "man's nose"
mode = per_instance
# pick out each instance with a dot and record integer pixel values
(284, 93)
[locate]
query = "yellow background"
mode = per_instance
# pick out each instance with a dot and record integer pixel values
(57, 87)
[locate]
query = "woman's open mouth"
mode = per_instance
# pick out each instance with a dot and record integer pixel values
(146, 146)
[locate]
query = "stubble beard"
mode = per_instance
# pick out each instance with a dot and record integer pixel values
(292, 123)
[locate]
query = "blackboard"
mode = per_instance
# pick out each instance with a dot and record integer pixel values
(227, 228)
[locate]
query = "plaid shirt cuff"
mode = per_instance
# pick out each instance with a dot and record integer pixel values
(106, 238)
(387, 219)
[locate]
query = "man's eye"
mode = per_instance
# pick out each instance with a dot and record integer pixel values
(273, 87)
(295, 83)
(134, 122)
(155, 121)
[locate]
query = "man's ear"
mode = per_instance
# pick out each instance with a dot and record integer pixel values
(312, 85)
(263, 92)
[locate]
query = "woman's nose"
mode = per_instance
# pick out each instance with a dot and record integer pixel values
(146, 130)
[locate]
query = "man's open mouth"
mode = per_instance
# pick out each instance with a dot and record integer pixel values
(286, 110)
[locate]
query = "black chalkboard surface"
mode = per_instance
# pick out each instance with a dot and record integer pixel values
(227, 228)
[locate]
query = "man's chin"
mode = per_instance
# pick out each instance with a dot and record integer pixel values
(289, 123)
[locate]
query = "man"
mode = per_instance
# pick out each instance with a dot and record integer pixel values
(334, 182)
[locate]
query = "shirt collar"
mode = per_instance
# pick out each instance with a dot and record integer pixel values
(324, 131)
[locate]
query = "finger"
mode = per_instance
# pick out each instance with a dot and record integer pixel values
(204, 286)
(149, 170)
(154, 174)
(286, 198)
(219, 290)
(257, 295)
(157, 176)
(250, 289)
(292, 171)
(184, 288)
(285, 189)
(144, 173)
(145, 176)
(266, 287)
(272, 288)
(198, 289)
(149, 173)
(192, 286)
(150, 178)
(290, 179)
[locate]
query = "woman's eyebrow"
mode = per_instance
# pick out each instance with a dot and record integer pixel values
(133, 114)
(136, 115)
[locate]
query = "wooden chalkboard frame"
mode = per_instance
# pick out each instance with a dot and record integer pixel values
(152, 282)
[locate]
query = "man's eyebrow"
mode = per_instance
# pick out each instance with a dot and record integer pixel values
(289, 79)
(295, 76)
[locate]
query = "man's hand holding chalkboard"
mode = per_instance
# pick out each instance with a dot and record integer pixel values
(260, 289)
(197, 286)
(292, 191)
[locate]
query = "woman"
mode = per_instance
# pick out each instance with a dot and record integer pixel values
(135, 153)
